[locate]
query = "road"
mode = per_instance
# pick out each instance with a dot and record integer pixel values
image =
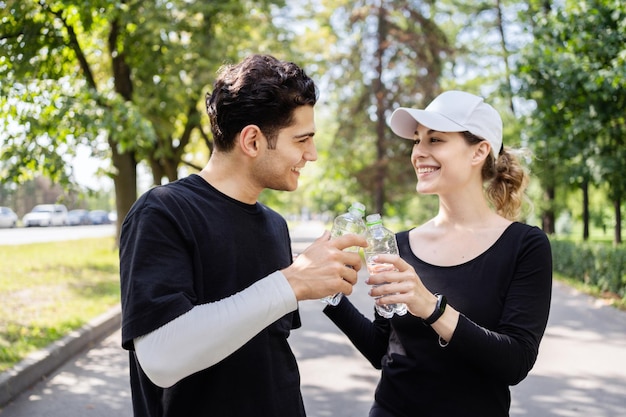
(581, 369)
(23, 235)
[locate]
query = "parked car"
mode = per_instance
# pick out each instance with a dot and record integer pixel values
(78, 217)
(99, 217)
(46, 215)
(8, 218)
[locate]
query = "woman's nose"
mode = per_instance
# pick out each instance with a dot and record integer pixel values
(418, 150)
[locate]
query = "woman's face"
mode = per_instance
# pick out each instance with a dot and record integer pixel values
(443, 161)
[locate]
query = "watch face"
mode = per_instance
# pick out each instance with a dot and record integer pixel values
(442, 303)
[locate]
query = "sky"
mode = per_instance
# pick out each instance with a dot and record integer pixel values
(85, 169)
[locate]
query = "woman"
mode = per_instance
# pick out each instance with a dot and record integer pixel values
(476, 282)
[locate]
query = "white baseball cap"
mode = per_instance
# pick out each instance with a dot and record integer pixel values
(452, 111)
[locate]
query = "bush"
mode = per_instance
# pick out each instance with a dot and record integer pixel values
(596, 264)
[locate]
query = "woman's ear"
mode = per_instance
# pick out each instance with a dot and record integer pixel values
(481, 151)
(249, 139)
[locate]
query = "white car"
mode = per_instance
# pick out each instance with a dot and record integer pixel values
(8, 218)
(46, 215)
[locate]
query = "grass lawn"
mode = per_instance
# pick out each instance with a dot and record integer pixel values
(49, 289)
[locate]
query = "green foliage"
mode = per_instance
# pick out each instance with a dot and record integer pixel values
(59, 87)
(596, 264)
(126, 74)
(379, 56)
(574, 72)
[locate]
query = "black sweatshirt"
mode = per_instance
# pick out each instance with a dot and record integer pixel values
(185, 244)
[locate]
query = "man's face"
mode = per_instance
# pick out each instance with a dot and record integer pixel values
(279, 168)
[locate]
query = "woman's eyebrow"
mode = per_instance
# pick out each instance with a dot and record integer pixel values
(429, 132)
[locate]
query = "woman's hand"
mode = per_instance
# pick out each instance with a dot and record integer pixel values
(401, 285)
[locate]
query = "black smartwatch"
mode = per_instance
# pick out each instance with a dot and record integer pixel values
(439, 309)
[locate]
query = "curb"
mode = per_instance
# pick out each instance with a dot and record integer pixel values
(43, 362)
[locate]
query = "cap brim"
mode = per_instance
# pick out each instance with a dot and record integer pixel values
(403, 122)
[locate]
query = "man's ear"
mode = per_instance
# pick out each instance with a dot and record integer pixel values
(482, 150)
(250, 139)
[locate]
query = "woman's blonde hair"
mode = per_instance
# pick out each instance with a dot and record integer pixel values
(506, 180)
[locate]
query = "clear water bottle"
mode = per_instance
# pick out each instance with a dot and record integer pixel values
(380, 241)
(350, 222)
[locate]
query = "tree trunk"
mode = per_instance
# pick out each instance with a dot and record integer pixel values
(618, 221)
(505, 56)
(381, 166)
(547, 217)
(167, 157)
(125, 178)
(585, 189)
(125, 183)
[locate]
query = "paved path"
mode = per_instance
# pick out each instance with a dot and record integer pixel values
(25, 235)
(581, 370)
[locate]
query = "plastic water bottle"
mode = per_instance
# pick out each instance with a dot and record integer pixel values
(350, 222)
(380, 241)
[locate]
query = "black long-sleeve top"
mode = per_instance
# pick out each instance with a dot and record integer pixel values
(503, 296)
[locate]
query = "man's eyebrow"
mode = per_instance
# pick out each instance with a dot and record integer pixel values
(304, 135)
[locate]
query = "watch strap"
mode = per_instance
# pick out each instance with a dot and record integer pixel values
(439, 309)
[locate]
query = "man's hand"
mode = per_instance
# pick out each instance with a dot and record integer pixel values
(324, 268)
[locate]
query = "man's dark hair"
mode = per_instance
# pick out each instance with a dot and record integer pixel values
(261, 90)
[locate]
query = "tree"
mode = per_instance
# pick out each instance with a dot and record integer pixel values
(128, 75)
(387, 54)
(575, 73)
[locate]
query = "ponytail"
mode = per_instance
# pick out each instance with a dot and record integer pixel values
(506, 183)
(506, 180)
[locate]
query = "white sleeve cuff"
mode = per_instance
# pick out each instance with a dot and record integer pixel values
(210, 332)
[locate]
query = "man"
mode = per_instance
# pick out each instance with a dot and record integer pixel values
(209, 288)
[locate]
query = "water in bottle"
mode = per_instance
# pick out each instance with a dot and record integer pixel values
(349, 222)
(380, 241)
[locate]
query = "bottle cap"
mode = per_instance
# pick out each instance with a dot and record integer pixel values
(373, 219)
(358, 207)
